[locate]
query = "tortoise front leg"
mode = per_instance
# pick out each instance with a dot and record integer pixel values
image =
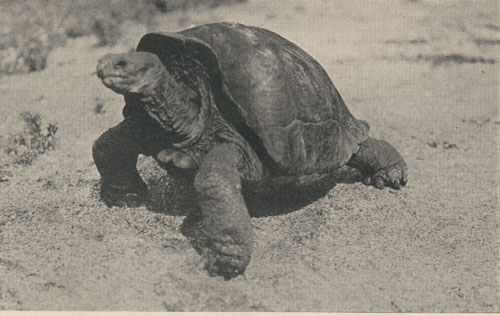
(226, 223)
(115, 155)
(380, 163)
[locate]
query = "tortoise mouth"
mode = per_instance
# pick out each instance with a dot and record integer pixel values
(105, 73)
(113, 77)
(117, 83)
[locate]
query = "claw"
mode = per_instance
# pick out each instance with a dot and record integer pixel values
(404, 180)
(367, 180)
(124, 200)
(379, 183)
(396, 184)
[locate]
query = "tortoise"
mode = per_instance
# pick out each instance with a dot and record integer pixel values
(230, 106)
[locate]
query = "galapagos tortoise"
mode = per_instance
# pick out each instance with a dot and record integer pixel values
(230, 106)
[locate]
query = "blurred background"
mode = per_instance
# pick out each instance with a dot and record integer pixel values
(31, 29)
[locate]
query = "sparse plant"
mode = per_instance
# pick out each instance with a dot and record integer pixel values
(31, 29)
(32, 140)
(438, 59)
(107, 30)
(99, 106)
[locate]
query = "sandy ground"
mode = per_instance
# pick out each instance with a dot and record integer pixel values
(433, 247)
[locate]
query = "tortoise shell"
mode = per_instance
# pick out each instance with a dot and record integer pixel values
(275, 94)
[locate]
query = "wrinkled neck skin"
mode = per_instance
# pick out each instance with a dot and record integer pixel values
(176, 107)
(194, 122)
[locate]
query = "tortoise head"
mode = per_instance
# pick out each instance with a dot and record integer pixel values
(137, 72)
(142, 77)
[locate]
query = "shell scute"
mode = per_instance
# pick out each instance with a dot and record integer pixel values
(277, 96)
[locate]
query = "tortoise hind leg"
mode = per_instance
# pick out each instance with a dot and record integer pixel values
(226, 222)
(380, 163)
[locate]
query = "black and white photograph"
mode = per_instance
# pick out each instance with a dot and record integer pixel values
(250, 156)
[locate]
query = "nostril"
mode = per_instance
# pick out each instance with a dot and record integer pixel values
(121, 63)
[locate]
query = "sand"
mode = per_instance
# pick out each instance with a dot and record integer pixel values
(423, 73)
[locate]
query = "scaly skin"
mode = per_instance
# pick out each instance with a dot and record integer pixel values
(380, 163)
(115, 155)
(226, 222)
(176, 120)
(183, 132)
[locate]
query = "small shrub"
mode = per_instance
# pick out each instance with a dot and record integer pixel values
(437, 60)
(416, 41)
(27, 54)
(32, 140)
(30, 29)
(493, 27)
(29, 32)
(99, 107)
(485, 41)
(173, 5)
(107, 30)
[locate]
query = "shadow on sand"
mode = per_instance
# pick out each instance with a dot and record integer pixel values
(176, 197)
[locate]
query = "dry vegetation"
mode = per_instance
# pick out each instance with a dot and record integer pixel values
(30, 29)
(32, 141)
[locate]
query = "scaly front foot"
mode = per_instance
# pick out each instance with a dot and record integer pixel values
(395, 176)
(130, 195)
(226, 224)
(381, 164)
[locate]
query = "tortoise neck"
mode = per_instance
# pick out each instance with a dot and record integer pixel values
(185, 107)
(179, 108)
(191, 106)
